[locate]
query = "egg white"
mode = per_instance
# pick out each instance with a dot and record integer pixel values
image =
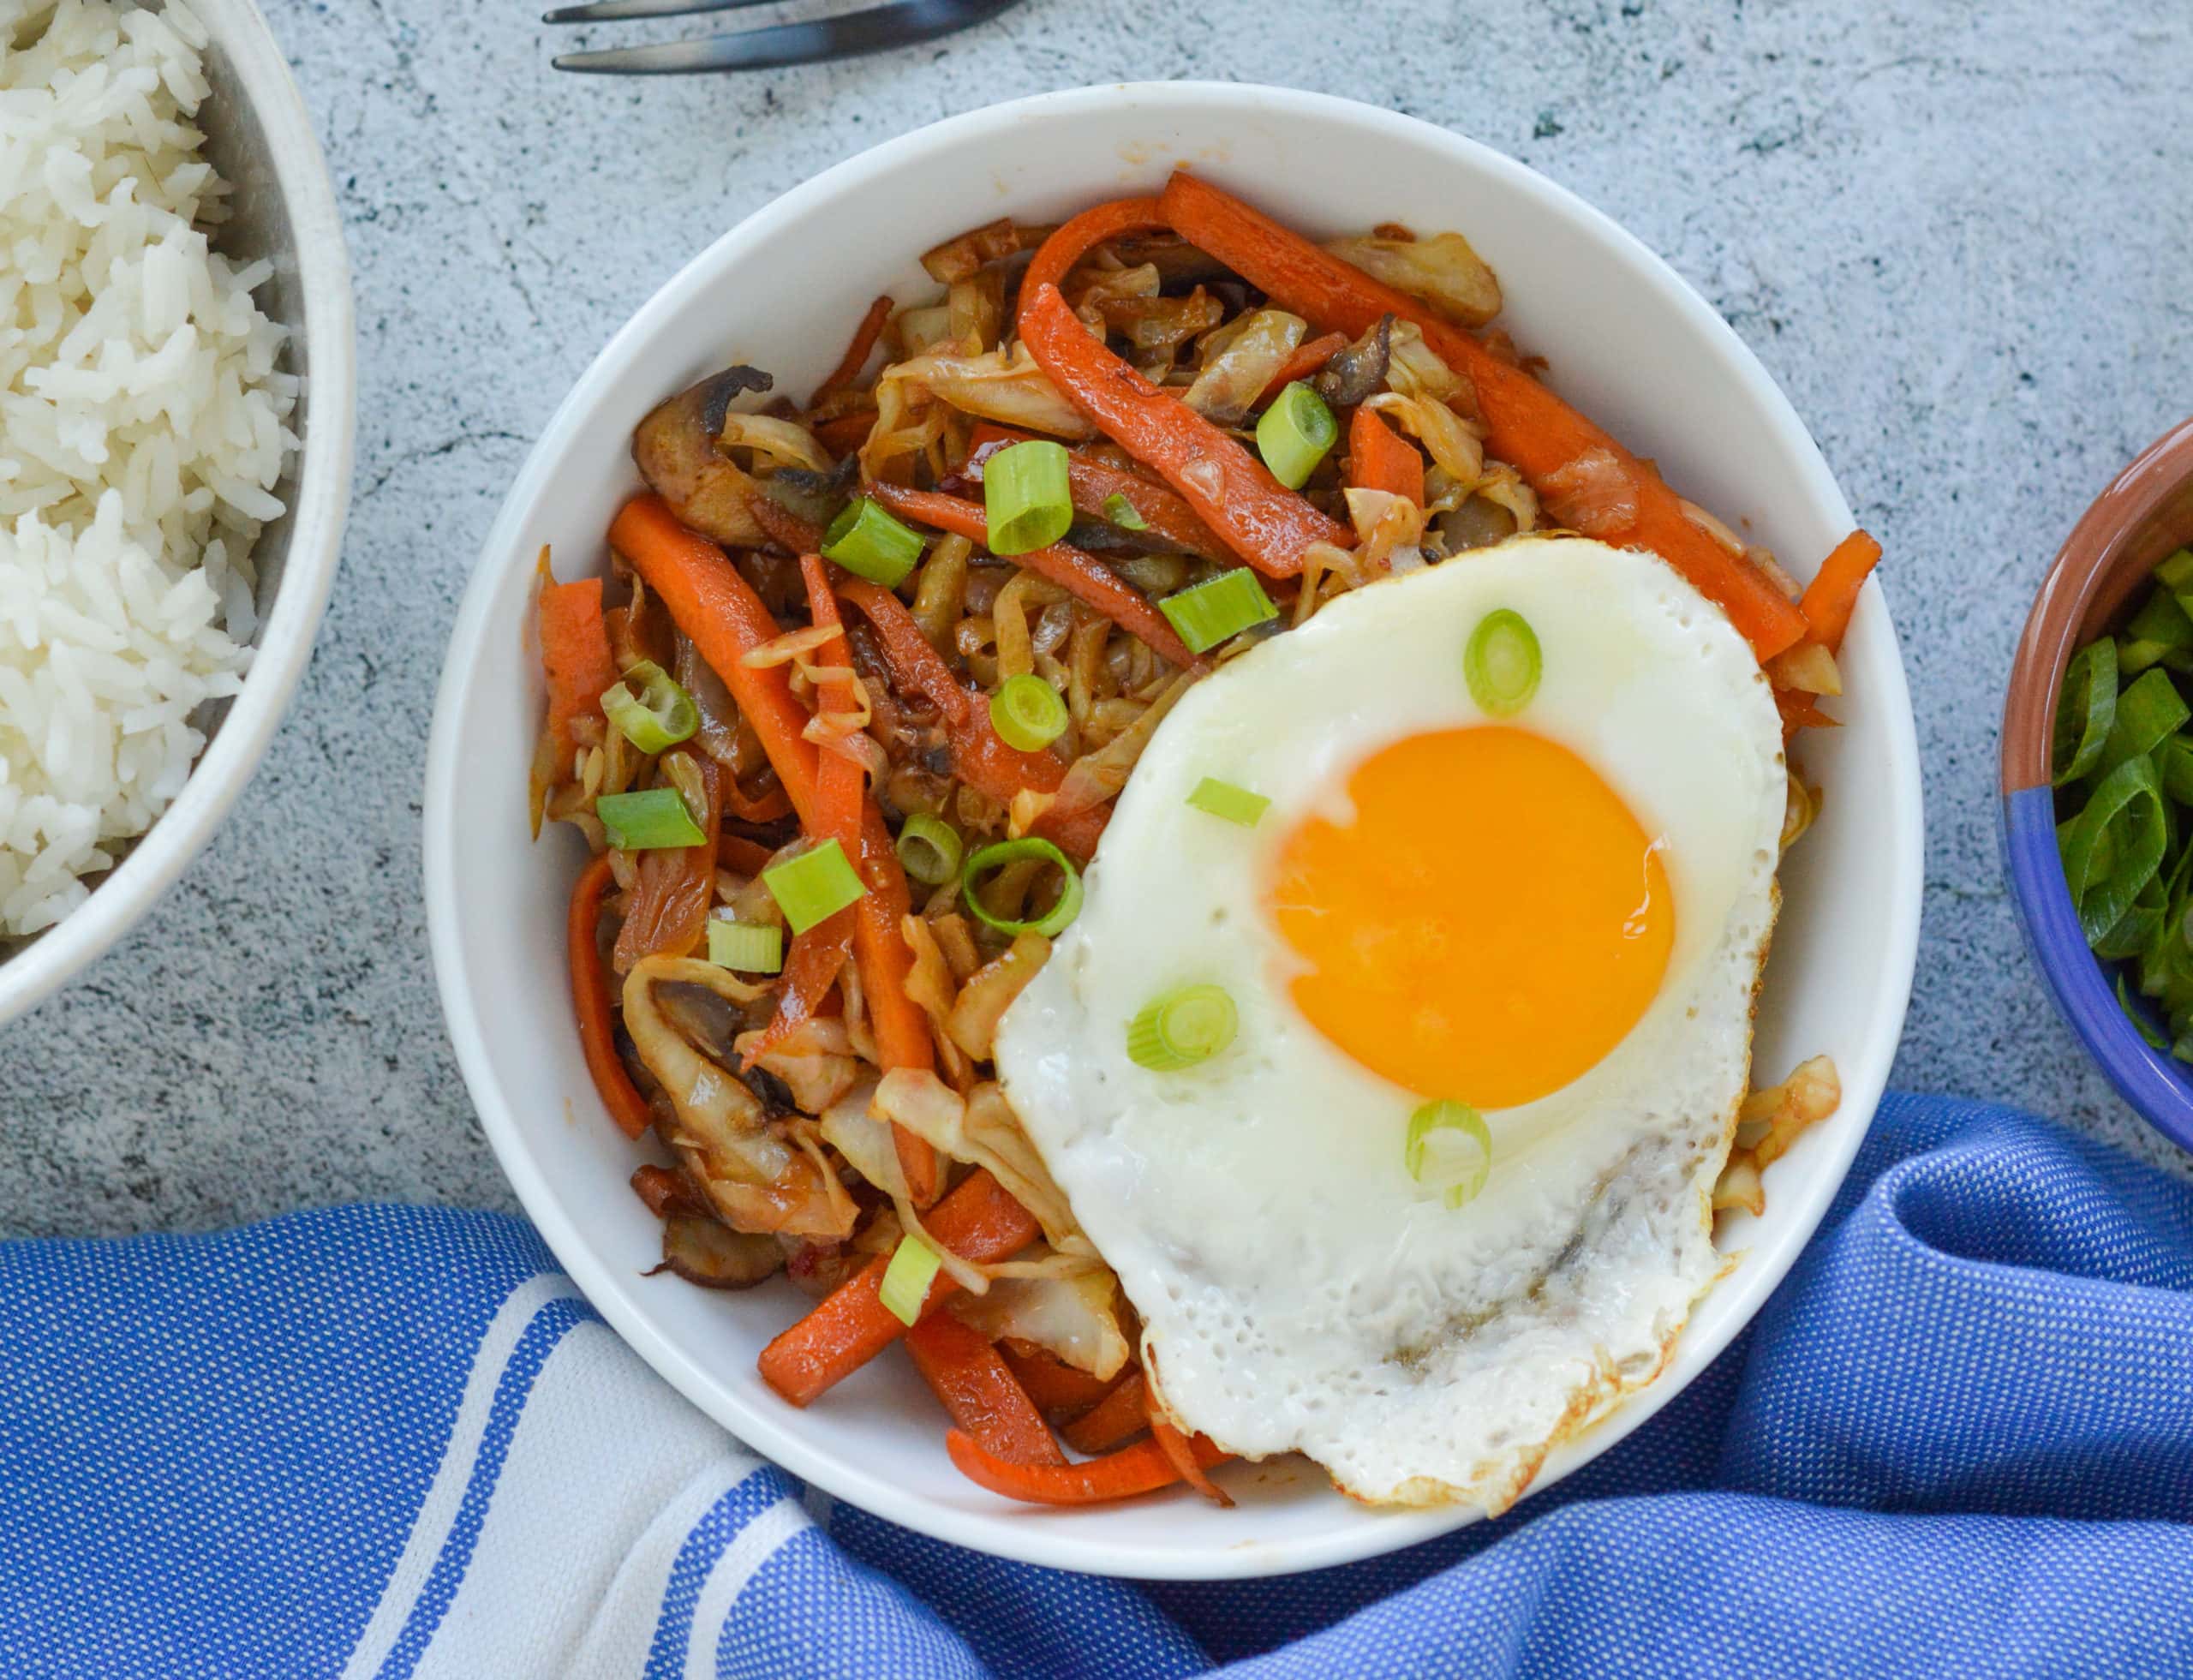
(1298, 1291)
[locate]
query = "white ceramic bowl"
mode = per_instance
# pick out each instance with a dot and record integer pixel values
(259, 137)
(1628, 340)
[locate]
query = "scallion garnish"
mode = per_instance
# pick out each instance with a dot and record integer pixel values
(1122, 512)
(913, 1268)
(813, 885)
(653, 820)
(870, 541)
(1206, 613)
(2150, 711)
(748, 948)
(660, 716)
(990, 858)
(1502, 662)
(1296, 433)
(1449, 1149)
(2087, 710)
(1223, 800)
(1028, 712)
(929, 848)
(1027, 496)
(1181, 1028)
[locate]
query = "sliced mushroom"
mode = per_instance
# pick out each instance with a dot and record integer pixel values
(675, 450)
(709, 1253)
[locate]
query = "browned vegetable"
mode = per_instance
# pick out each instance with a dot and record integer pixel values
(675, 450)
(711, 1254)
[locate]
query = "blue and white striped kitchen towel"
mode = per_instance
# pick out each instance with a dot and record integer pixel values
(390, 1442)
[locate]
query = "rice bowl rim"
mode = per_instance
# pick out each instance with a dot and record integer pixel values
(513, 1042)
(316, 510)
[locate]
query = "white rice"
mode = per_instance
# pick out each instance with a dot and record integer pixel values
(142, 427)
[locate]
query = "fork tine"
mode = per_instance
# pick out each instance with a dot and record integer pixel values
(615, 11)
(902, 25)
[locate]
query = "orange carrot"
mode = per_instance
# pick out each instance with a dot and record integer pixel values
(574, 652)
(1181, 1450)
(790, 533)
(1801, 710)
(857, 353)
(1119, 1416)
(1832, 595)
(1262, 520)
(766, 809)
(1056, 1387)
(847, 433)
(1527, 424)
(1076, 237)
(590, 998)
(811, 968)
(848, 815)
(1302, 364)
(1380, 459)
(1143, 1468)
(917, 666)
(979, 1221)
(748, 857)
(1088, 581)
(727, 621)
(979, 1392)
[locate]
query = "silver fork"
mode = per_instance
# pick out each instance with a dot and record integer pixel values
(906, 24)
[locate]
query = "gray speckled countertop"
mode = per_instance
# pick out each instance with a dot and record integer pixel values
(1962, 247)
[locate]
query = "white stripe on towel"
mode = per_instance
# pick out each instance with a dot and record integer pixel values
(623, 1629)
(752, 1547)
(438, 1512)
(603, 1444)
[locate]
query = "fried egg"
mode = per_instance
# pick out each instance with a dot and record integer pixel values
(1555, 916)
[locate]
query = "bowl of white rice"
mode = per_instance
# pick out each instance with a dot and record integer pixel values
(177, 387)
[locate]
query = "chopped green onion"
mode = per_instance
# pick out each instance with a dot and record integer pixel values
(869, 542)
(1181, 1028)
(1027, 497)
(749, 948)
(1223, 800)
(2174, 761)
(2113, 848)
(1209, 613)
(1055, 920)
(2149, 712)
(1296, 433)
(654, 820)
(2086, 711)
(2162, 621)
(662, 713)
(1122, 512)
(913, 1268)
(1449, 1149)
(814, 885)
(930, 848)
(2175, 573)
(1028, 712)
(1501, 663)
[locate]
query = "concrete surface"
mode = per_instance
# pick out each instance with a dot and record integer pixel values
(1960, 242)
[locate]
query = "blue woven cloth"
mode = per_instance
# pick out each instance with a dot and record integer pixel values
(378, 1441)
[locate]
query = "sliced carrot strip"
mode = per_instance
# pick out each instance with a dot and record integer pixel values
(1832, 595)
(1143, 1468)
(1074, 238)
(916, 665)
(1055, 1386)
(846, 434)
(1181, 1450)
(979, 1392)
(978, 1220)
(1801, 710)
(590, 998)
(768, 808)
(1380, 459)
(848, 815)
(1086, 580)
(1302, 364)
(1527, 424)
(1262, 520)
(748, 857)
(1094, 483)
(575, 656)
(790, 533)
(858, 352)
(811, 968)
(1119, 1416)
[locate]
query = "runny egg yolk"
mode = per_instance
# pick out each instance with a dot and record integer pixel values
(1491, 922)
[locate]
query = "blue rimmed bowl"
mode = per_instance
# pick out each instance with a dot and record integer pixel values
(2144, 515)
